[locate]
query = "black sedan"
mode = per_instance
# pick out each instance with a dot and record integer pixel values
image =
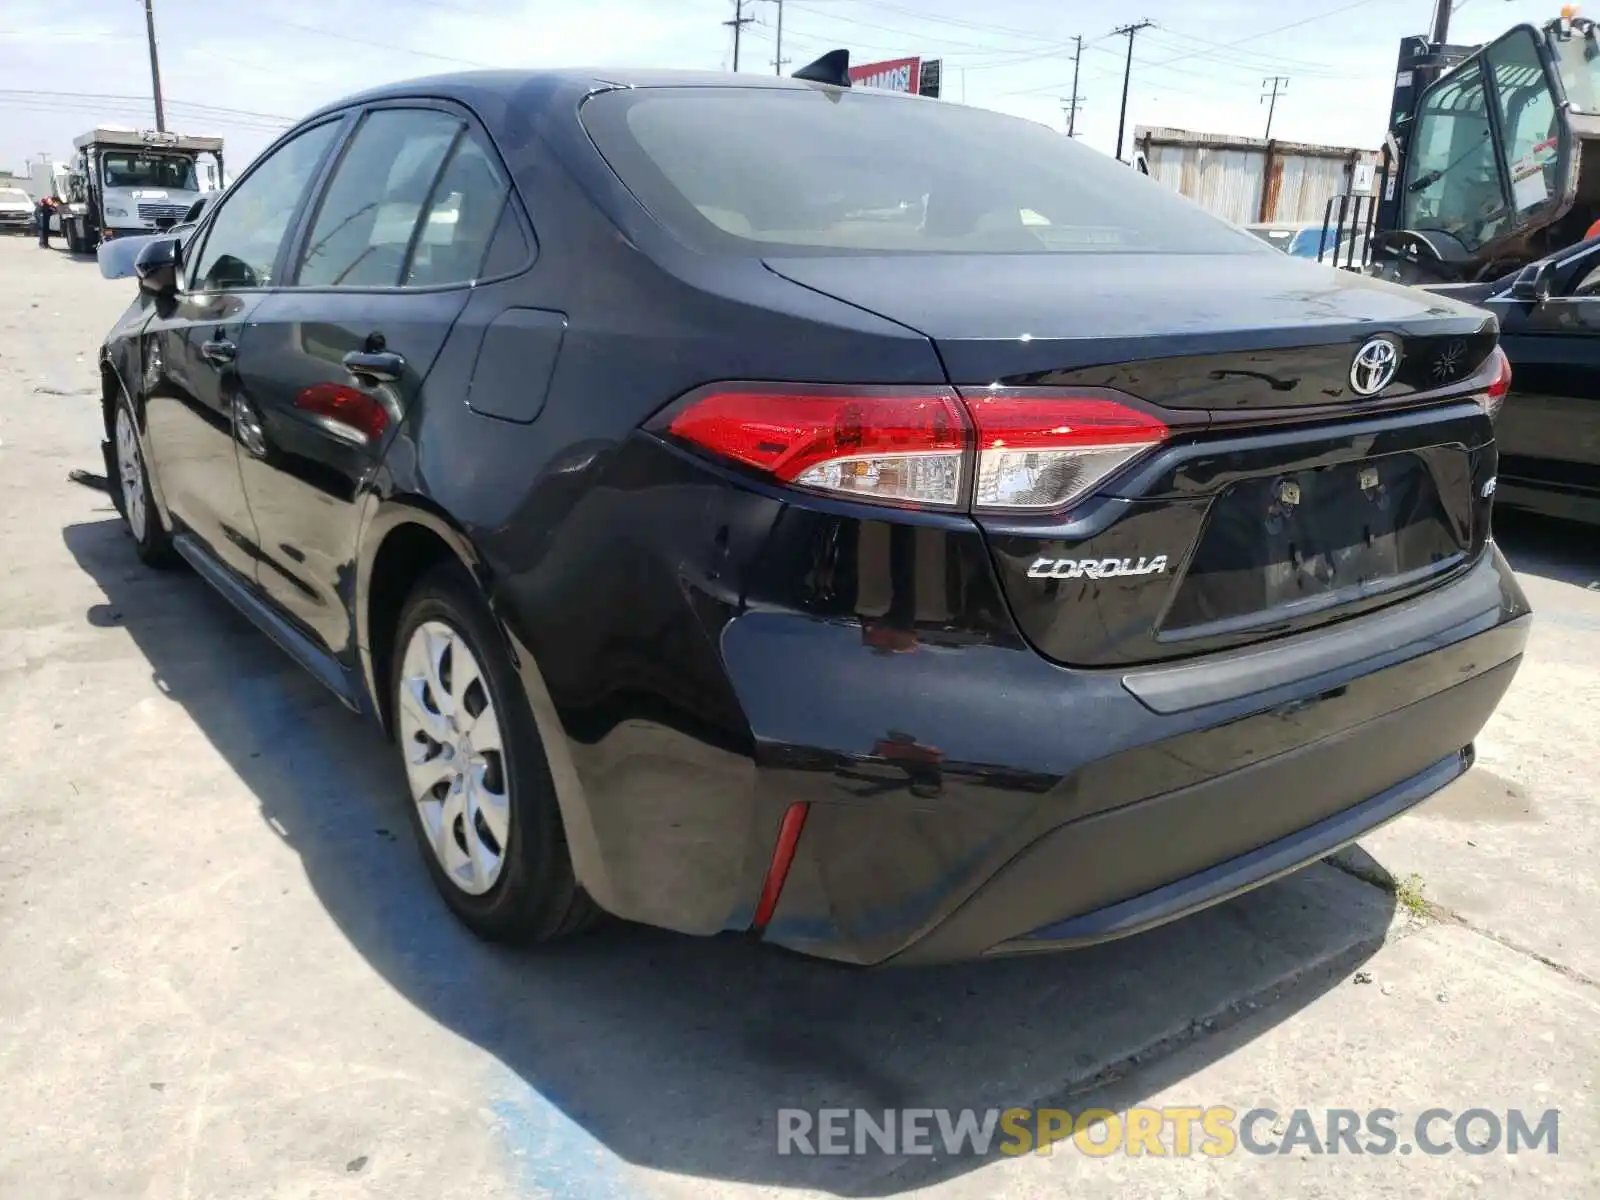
(882, 527)
(1549, 432)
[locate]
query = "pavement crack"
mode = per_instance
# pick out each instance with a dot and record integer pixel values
(1562, 969)
(1358, 864)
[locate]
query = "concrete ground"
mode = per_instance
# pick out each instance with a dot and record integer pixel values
(225, 973)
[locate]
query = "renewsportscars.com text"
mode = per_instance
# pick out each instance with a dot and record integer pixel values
(1176, 1131)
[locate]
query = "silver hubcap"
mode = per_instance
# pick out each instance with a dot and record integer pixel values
(132, 472)
(450, 737)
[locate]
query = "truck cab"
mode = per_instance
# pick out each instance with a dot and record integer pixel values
(131, 182)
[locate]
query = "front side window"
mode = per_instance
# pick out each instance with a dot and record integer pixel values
(248, 229)
(136, 169)
(759, 171)
(1452, 183)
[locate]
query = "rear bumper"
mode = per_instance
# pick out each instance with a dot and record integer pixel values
(1038, 807)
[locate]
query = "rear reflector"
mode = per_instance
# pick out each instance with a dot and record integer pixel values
(1494, 396)
(1041, 450)
(794, 820)
(1032, 449)
(896, 445)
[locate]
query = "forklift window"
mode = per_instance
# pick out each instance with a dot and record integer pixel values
(1527, 119)
(1578, 59)
(1453, 180)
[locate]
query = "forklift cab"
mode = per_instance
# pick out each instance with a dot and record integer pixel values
(1503, 162)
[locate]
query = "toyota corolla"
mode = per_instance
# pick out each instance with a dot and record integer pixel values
(879, 526)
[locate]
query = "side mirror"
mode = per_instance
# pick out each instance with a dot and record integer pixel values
(1534, 283)
(157, 266)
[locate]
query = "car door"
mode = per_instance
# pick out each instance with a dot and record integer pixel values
(191, 347)
(384, 265)
(1549, 429)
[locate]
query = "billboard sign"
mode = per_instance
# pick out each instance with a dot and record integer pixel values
(892, 75)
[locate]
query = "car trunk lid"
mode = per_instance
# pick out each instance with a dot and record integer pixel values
(1282, 497)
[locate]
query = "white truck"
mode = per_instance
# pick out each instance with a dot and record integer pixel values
(125, 182)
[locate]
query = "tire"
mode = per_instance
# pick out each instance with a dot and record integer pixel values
(485, 815)
(130, 491)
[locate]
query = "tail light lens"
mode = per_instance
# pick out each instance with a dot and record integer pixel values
(1031, 449)
(1493, 398)
(896, 445)
(1040, 450)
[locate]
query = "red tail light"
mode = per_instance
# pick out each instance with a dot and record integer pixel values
(1494, 396)
(900, 445)
(1040, 449)
(346, 412)
(1029, 449)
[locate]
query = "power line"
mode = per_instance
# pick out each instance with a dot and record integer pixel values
(922, 38)
(1127, 75)
(189, 104)
(1271, 98)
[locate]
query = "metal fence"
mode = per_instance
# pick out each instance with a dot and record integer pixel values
(1249, 180)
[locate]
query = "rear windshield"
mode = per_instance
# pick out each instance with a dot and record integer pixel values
(821, 170)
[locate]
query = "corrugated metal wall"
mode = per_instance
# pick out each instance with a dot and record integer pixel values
(1249, 179)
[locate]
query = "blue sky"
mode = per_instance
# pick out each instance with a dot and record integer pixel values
(245, 70)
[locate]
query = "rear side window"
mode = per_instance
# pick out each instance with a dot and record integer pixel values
(461, 218)
(819, 170)
(364, 224)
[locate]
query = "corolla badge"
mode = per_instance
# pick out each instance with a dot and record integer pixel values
(1095, 568)
(1374, 367)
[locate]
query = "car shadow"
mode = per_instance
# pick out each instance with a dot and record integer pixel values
(1565, 551)
(675, 1053)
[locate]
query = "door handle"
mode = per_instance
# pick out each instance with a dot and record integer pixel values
(219, 351)
(381, 366)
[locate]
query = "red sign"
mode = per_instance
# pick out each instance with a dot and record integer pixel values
(893, 75)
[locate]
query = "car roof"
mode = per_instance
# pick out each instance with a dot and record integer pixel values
(574, 82)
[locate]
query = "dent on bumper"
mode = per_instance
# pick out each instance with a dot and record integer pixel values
(967, 798)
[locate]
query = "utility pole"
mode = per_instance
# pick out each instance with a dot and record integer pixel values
(1075, 101)
(739, 22)
(155, 64)
(778, 59)
(1278, 84)
(1127, 76)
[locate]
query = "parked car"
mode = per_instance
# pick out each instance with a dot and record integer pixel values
(1549, 431)
(729, 547)
(16, 210)
(1307, 239)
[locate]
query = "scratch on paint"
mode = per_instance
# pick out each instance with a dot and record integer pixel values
(552, 1155)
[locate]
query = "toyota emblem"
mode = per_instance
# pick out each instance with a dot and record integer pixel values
(1374, 367)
